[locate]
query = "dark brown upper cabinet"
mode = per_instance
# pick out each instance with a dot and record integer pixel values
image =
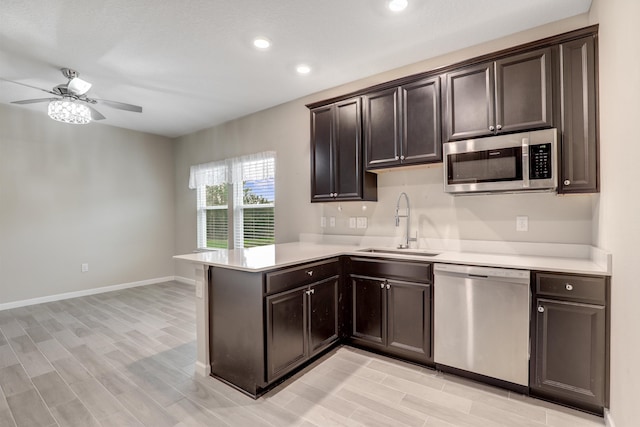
(402, 125)
(336, 154)
(579, 155)
(507, 95)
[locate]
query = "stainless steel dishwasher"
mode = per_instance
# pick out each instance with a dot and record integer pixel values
(481, 320)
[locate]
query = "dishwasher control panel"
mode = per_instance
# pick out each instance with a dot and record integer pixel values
(477, 271)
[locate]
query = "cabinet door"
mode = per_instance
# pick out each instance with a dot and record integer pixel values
(523, 91)
(470, 102)
(579, 169)
(286, 331)
(348, 150)
(570, 351)
(421, 139)
(382, 128)
(369, 309)
(322, 139)
(409, 318)
(323, 314)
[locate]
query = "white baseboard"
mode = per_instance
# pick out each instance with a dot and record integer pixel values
(202, 369)
(93, 291)
(185, 280)
(608, 419)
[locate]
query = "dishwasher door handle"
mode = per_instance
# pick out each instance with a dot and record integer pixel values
(478, 276)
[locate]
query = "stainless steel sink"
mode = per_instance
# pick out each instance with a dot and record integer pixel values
(398, 252)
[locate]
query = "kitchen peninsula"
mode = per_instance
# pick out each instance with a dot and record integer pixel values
(264, 312)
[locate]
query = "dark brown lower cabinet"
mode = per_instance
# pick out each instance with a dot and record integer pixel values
(300, 323)
(391, 315)
(569, 363)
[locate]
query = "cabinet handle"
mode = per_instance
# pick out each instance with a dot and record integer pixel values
(401, 157)
(491, 128)
(310, 292)
(381, 285)
(567, 182)
(310, 272)
(397, 157)
(568, 286)
(498, 127)
(388, 286)
(540, 309)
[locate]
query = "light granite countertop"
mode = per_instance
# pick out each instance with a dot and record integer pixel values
(265, 258)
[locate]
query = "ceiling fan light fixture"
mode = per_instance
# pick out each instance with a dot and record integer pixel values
(68, 111)
(78, 86)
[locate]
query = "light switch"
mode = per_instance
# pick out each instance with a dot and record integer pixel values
(198, 289)
(362, 222)
(323, 222)
(352, 222)
(332, 221)
(84, 267)
(522, 223)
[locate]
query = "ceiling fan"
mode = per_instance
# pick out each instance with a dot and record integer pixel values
(73, 105)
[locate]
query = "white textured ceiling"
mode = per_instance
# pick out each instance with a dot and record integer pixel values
(190, 64)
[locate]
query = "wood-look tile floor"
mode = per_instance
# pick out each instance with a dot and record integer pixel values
(126, 358)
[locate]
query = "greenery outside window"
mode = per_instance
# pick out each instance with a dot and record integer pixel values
(235, 201)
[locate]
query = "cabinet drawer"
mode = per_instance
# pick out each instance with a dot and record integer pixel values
(301, 275)
(565, 286)
(391, 269)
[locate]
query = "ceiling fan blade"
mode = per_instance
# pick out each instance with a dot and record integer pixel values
(95, 114)
(33, 101)
(120, 105)
(32, 87)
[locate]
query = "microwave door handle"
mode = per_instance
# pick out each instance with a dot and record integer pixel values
(525, 162)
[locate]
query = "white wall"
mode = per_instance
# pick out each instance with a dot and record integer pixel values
(285, 129)
(74, 194)
(617, 222)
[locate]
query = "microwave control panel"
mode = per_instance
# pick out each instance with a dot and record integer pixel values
(540, 161)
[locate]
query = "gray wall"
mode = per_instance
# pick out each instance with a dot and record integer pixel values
(285, 129)
(81, 194)
(617, 227)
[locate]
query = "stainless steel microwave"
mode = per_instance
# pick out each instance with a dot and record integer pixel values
(515, 162)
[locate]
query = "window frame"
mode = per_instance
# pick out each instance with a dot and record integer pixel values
(235, 206)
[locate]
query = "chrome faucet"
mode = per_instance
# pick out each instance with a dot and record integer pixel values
(407, 215)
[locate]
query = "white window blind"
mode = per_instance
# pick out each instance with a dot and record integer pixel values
(236, 201)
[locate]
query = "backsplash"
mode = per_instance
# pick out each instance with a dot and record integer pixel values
(438, 215)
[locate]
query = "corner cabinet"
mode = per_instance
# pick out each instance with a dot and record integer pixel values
(391, 307)
(569, 361)
(579, 154)
(337, 172)
(402, 125)
(507, 95)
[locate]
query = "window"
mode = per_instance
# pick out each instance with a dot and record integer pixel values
(235, 201)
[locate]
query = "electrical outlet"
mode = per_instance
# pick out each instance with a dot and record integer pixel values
(323, 222)
(362, 222)
(352, 222)
(84, 267)
(522, 223)
(332, 221)
(199, 289)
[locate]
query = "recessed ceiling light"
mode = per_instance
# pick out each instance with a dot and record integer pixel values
(303, 69)
(261, 43)
(397, 5)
